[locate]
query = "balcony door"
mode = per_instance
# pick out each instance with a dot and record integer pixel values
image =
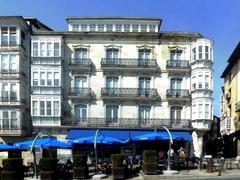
(144, 114)
(81, 54)
(175, 115)
(112, 56)
(80, 113)
(112, 114)
(80, 84)
(175, 86)
(176, 55)
(144, 86)
(112, 85)
(144, 56)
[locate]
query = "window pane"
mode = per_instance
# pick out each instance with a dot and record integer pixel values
(14, 124)
(206, 52)
(56, 108)
(56, 78)
(200, 52)
(4, 35)
(42, 78)
(13, 63)
(49, 78)
(35, 108)
(56, 49)
(49, 49)
(5, 119)
(4, 63)
(49, 108)
(42, 108)
(35, 49)
(42, 49)
(13, 36)
(35, 78)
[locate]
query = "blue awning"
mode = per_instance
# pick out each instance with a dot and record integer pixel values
(120, 134)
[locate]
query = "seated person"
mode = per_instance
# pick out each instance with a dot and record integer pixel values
(101, 167)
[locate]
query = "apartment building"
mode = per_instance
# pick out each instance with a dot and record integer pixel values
(118, 73)
(231, 104)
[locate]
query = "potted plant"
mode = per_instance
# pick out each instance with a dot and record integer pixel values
(48, 168)
(80, 168)
(118, 169)
(149, 162)
(12, 168)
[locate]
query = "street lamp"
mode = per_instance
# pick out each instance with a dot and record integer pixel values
(168, 171)
(32, 150)
(95, 148)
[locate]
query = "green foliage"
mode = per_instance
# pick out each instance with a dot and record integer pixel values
(12, 164)
(80, 160)
(149, 156)
(48, 164)
(117, 160)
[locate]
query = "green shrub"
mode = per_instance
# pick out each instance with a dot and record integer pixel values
(12, 164)
(149, 156)
(80, 160)
(48, 164)
(117, 160)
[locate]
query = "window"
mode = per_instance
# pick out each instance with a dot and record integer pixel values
(56, 49)
(49, 108)
(144, 86)
(175, 114)
(152, 28)
(80, 113)
(4, 35)
(143, 28)
(42, 78)
(13, 63)
(109, 27)
(118, 27)
(207, 111)
(42, 49)
(200, 53)
(200, 81)
(80, 82)
(206, 81)
(49, 49)
(200, 111)
(176, 55)
(56, 79)
(207, 52)
(101, 27)
(49, 78)
(13, 36)
(194, 83)
(8, 63)
(194, 111)
(112, 82)
(42, 108)
(4, 63)
(14, 123)
(75, 27)
(92, 27)
(135, 27)
(112, 54)
(144, 114)
(56, 109)
(35, 49)
(8, 91)
(5, 117)
(127, 27)
(84, 27)
(144, 54)
(112, 113)
(34, 108)
(194, 53)
(175, 83)
(35, 78)
(81, 54)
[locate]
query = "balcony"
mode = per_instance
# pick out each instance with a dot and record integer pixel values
(175, 66)
(80, 65)
(46, 120)
(137, 65)
(131, 123)
(46, 61)
(10, 131)
(178, 95)
(46, 90)
(11, 74)
(80, 93)
(129, 94)
(237, 107)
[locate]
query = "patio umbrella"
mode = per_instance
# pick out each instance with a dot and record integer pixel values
(5, 147)
(101, 139)
(44, 143)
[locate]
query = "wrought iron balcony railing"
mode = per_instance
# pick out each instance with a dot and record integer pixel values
(11, 74)
(176, 93)
(81, 92)
(129, 92)
(49, 61)
(80, 62)
(11, 99)
(127, 123)
(178, 64)
(123, 62)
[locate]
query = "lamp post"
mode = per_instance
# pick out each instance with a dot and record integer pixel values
(95, 148)
(168, 171)
(32, 150)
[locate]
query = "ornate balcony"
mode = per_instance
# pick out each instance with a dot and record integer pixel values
(11, 74)
(80, 93)
(237, 107)
(121, 64)
(178, 95)
(46, 61)
(7, 47)
(11, 99)
(175, 66)
(129, 94)
(131, 123)
(80, 65)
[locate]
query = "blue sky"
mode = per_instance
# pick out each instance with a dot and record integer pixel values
(218, 20)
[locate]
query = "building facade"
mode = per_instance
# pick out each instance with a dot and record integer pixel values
(119, 73)
(230, 116)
